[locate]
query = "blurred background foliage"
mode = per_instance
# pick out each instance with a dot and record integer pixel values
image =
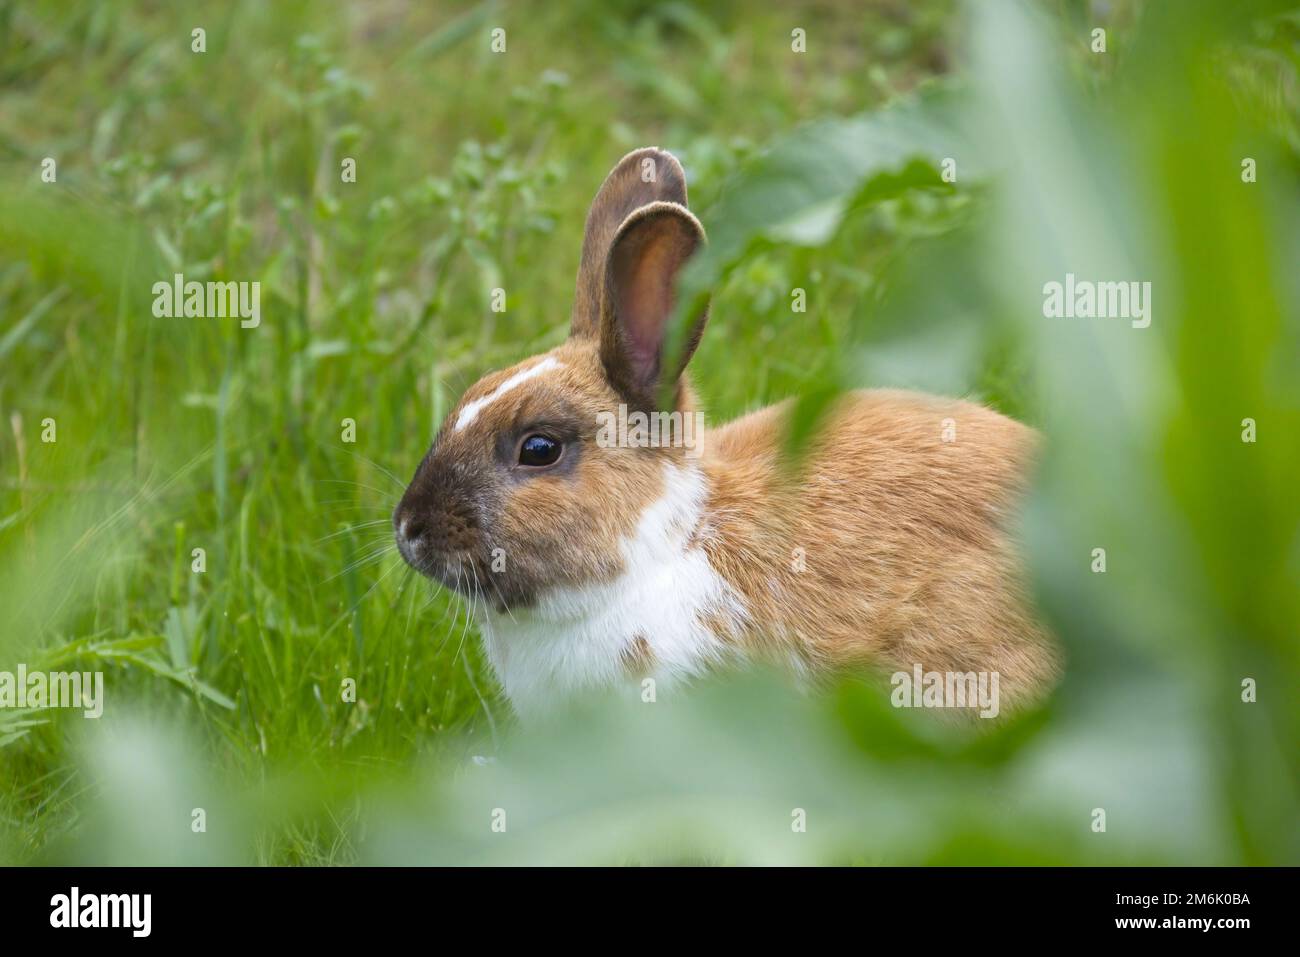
(818, 171)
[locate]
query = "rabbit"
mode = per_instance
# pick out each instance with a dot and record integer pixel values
(598, 564)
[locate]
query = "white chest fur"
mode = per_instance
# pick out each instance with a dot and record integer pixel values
(580, 639)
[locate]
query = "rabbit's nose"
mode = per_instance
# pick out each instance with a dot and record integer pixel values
(412, 538)
(412, 530)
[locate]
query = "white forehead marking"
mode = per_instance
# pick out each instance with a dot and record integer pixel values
(471, 411)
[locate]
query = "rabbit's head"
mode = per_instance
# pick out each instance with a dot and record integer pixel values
(527, 487)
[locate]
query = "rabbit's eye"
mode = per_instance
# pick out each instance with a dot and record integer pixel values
(539, 450)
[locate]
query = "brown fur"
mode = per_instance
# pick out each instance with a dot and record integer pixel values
(907, 557)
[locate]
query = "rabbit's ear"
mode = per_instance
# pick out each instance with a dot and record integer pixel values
(645, 258)
(641, 177)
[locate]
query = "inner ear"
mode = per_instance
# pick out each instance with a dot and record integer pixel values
(647, 255)
(640, 178)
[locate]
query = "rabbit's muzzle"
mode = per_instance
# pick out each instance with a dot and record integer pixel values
(437, 523)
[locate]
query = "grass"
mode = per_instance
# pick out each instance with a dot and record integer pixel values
(473, 172)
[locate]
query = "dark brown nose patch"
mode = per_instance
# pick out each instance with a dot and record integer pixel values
(438, 516)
